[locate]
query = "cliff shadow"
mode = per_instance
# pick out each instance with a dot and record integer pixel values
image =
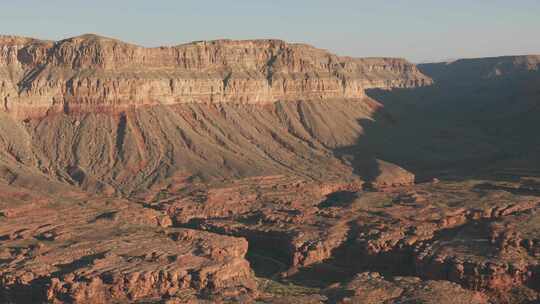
(451, 130)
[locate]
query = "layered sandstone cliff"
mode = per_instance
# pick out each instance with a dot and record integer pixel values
(92, 72)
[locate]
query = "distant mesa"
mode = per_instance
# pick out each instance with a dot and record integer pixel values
(473, 70)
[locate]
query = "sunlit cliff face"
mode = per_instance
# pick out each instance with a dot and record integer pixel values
(91, 73)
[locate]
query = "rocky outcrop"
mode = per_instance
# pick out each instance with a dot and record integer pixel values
(372, 288)
(382, 175)
(274, 213)
(499, 256)
(93, 73)
(482, 238)
(77, 249)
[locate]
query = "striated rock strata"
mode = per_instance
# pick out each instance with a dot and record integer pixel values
(93, 73)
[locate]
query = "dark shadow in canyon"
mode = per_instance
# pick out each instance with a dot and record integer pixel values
(456, 129)
(515, 191)
(452, 130)
(345, 262)
(32, 292)
(483, 129)
(338, 199)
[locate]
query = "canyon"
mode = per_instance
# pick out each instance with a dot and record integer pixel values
(261, 171)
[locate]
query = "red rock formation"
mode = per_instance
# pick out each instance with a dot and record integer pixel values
(386, 175)
(411, 231)
(91, 73)
(78, 249)
(235, 142)
(372, 288)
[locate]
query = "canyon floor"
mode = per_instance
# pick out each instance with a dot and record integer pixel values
(345, 181)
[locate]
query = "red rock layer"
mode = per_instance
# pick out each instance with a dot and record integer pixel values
(92, 73)
(73, 248)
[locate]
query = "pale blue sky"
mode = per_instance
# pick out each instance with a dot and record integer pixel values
(418, 30)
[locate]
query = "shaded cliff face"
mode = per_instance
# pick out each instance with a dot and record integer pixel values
(475, 70)
(91, 73)
(478, 118)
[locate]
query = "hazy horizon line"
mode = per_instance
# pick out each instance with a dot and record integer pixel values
(174, 44)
